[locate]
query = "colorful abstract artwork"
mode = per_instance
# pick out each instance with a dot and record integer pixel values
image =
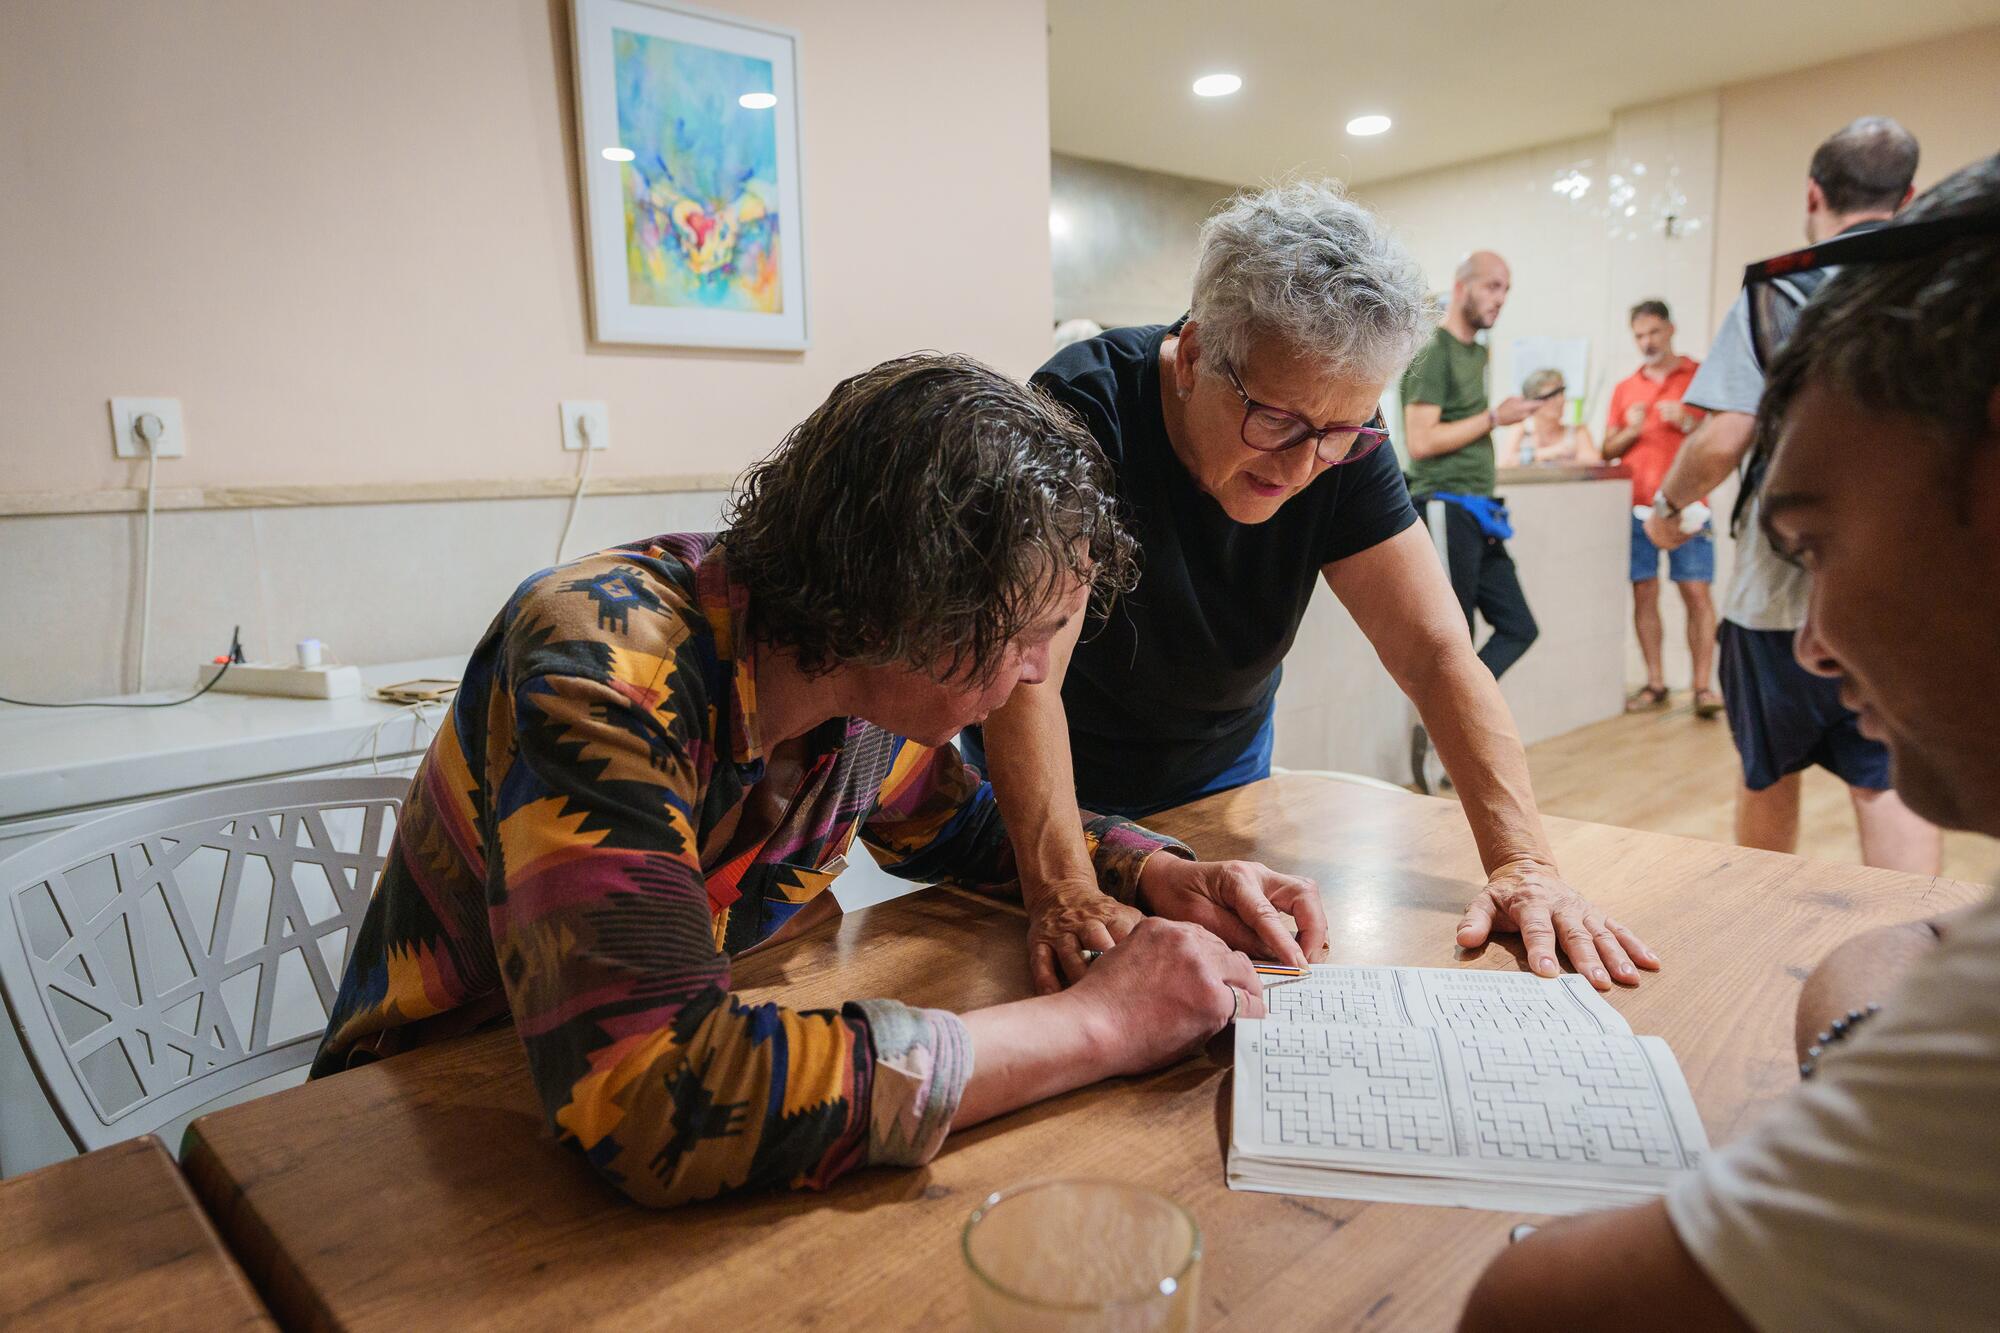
(689, 129)
(700, 194)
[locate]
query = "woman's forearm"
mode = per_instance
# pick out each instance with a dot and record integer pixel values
(1398, 594)
(1029, 1050)
(1028, 762)
(1475, 736)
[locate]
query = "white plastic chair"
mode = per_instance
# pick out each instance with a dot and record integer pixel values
(164, 956)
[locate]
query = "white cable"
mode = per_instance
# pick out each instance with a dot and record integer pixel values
(415, 710)
(146, 436)
(582, 481)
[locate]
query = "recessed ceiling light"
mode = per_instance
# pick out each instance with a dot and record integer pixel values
(618, 155)
(1216, 85)
(1363, 126)
(1058, 223)
(757, 101)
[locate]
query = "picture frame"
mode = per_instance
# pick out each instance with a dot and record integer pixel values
(688, 146)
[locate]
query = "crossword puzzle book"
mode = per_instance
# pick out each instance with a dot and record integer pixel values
(1449, 1086)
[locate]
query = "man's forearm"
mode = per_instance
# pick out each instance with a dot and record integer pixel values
(1475, 736)
(1619, 441)
(1707, 457)
(1027, 753)
(1859, 973)
(1448, 437)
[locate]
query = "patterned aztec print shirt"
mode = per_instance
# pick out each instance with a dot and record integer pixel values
(561, 859)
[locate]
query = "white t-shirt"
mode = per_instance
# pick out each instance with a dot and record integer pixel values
(1870, 1197)
(1765, 591)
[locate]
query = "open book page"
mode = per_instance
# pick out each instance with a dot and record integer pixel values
(1553, 1118)
(1444, 997)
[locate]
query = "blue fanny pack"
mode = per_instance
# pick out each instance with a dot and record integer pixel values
(1490, 513)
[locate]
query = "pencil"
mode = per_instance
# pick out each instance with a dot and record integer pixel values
(1263, 969)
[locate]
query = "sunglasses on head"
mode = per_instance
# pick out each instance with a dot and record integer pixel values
(1778, 288)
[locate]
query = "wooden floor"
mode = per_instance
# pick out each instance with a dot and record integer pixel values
(1671, 772)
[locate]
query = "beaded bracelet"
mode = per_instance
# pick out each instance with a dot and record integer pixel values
(1843, 1027)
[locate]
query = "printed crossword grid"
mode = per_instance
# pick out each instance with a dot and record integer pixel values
(1347, 1087)
(1554, 1098)
(1566, 1098)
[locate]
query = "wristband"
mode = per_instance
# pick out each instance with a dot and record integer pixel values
(1492, 419)
(1663, 506)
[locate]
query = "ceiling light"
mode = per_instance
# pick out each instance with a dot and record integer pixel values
(1216, 85)
(618, 155)
(1058, 223)
(1363, 126)
(757, 101)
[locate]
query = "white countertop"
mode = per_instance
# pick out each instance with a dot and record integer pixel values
(55, 759)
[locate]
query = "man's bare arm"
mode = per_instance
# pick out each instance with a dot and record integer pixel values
(1624, 1270)
(1710, 454)
(1428, 437)
(1864, 971)
(1618, 441)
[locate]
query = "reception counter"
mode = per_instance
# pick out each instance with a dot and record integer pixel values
(1337, 707)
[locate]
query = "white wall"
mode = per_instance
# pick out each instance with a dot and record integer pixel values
(1584, 226)
(1122, 240)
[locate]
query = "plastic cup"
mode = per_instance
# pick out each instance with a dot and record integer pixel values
(1073, 1255)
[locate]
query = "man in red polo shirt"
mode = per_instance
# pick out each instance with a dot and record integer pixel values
(1647, 424)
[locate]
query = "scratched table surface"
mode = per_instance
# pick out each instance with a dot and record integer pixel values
(426, 1189)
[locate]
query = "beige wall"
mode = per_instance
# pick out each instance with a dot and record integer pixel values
(346, 235)
(1947, 92)
(1122, 240)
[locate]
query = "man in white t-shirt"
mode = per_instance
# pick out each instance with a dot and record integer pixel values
(1870, 1197)
(1783, 719)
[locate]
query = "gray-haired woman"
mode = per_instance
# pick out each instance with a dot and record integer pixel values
(1246, 443)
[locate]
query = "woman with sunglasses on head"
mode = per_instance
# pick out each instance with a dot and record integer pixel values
(1247, 451)
(1545, 437)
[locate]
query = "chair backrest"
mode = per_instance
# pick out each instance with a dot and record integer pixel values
(171, 953)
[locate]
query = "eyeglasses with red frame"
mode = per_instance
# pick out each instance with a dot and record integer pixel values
(1272, 430)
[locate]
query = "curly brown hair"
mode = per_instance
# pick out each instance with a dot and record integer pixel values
(924, 515)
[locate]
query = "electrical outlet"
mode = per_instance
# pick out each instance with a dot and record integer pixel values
(580, 418)
(125, 439)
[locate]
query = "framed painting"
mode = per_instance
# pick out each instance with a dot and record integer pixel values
(690, 158)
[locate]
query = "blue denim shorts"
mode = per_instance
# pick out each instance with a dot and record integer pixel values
(1691, 562)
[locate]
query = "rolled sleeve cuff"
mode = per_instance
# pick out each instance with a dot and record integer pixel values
(1118, 851)
(923, 1060)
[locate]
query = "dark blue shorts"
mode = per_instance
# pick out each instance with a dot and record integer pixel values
(1784, 718)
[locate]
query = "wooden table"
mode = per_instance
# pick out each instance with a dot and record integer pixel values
(113, 1239)
(425, 1188)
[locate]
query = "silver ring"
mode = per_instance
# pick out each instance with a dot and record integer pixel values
(1235, 1004)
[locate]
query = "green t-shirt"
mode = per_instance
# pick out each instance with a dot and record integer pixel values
(1451, 374)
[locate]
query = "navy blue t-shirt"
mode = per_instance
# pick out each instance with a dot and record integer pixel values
(1171, 690)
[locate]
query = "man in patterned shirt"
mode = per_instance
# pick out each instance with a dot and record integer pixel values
(658, 751)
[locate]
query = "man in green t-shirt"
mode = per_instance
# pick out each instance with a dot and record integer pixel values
(1449, 429)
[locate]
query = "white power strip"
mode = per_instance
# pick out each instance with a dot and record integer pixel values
(320, 682)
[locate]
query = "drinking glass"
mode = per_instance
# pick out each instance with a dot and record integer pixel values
(1072, 1255)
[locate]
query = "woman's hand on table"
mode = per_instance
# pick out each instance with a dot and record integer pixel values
(1532, 898)
(1066, 919)
(1153, 1000)
(1165, 990)
(1242, 902)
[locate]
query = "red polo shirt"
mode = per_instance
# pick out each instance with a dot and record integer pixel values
(1653, 452)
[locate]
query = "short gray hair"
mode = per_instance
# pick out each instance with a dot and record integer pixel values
(1305, 264)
